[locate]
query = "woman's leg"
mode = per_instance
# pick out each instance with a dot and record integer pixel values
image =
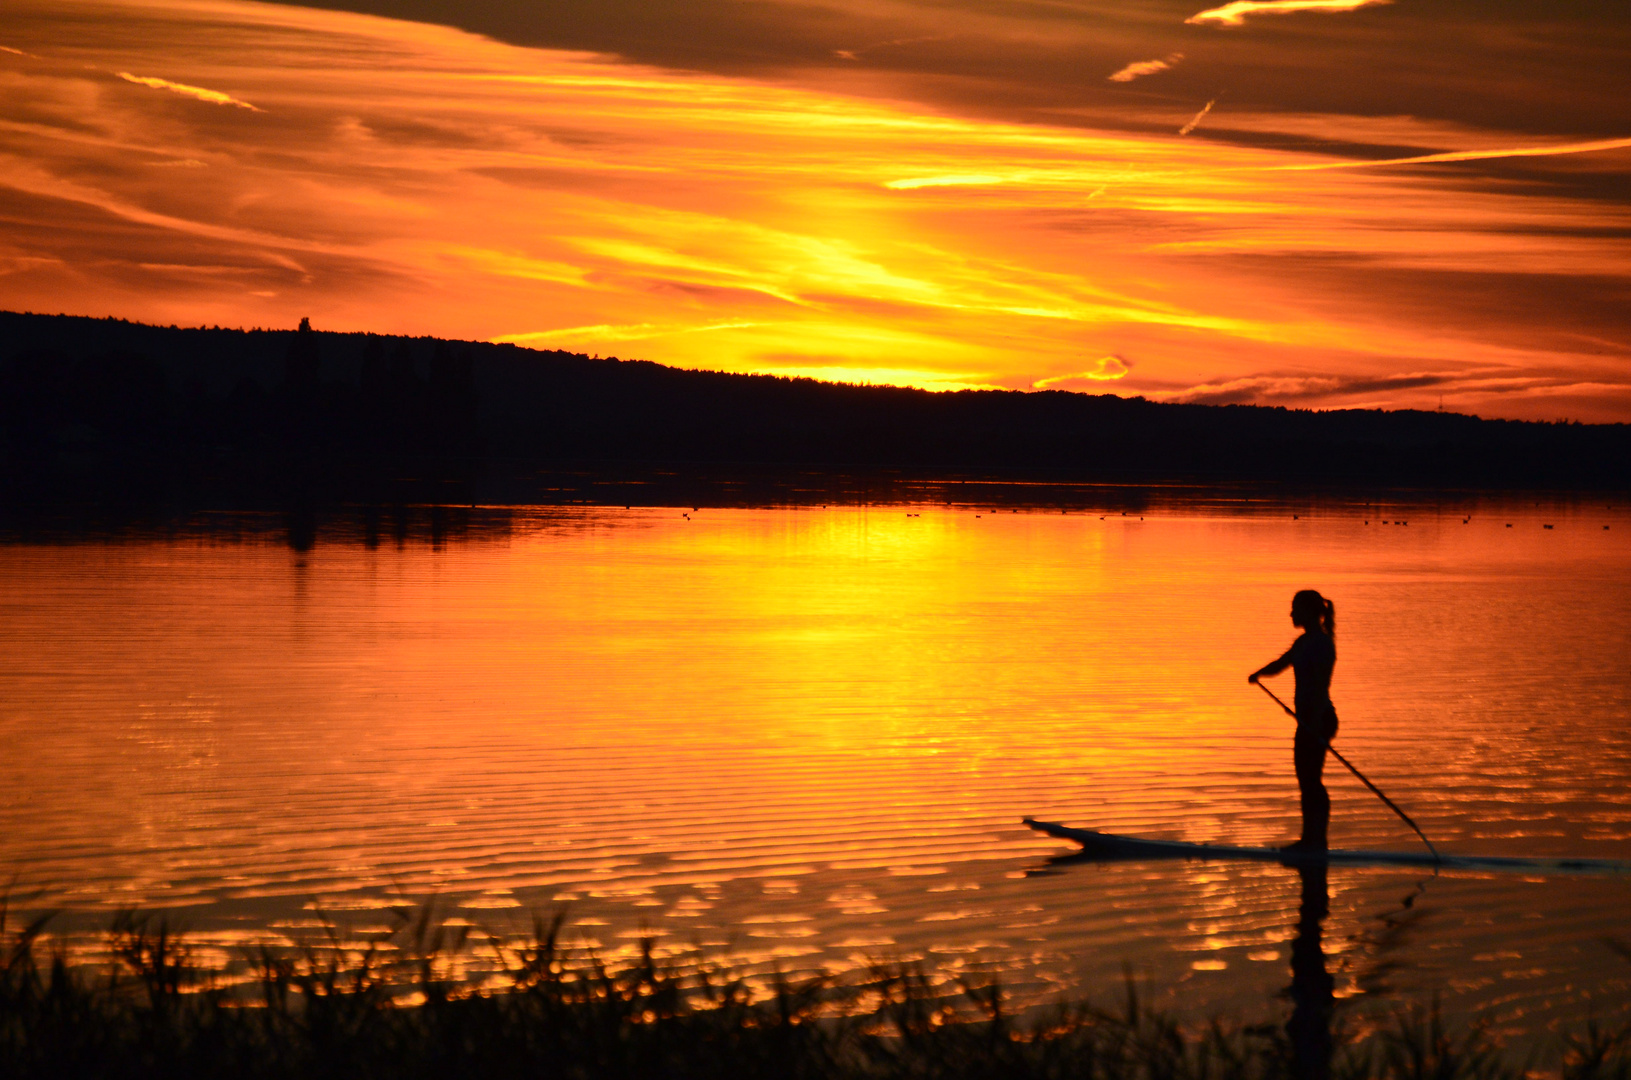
(1309, 754)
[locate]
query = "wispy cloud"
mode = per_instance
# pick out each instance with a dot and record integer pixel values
(1592, 146)
(1195, 121)
(1281, 389)
(1541, 394)
(958, 180)
(856, 54)
(1140, 68)
(1104, 369)
(422, 180)
(214, 97)
(1236, 13)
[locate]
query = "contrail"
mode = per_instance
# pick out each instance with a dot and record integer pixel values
(1460, 155)
(1195, 122)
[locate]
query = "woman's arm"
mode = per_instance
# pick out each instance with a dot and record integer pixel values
(1274, 667)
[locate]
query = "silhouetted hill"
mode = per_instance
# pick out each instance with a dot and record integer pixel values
(111, 407)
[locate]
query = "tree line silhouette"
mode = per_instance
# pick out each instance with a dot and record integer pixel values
(102, 406)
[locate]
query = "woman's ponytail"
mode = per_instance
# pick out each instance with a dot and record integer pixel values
(1314, 612)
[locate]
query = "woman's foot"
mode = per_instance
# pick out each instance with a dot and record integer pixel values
(1305, 845)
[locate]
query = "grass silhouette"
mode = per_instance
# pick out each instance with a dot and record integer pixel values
(400, 1006)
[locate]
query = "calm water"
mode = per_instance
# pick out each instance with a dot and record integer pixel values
(808, 735)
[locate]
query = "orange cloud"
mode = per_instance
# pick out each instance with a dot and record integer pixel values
(1104, 369)
(1236, 12)
(1195, 121)
(1591, 146)
(1108, 367)
(423, 180)
(214, 97)
(1140, 68)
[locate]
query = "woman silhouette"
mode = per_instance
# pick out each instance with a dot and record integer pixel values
(1311, 658)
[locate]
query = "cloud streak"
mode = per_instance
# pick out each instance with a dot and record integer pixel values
(423, 180)
(1104, 369)
(1237, 12)
(1195, 121)
(1140, 68)
(1554, 397)
(1593, 146)
(1301, 389)
(214, 97)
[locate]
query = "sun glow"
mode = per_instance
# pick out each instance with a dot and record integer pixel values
(405, 178)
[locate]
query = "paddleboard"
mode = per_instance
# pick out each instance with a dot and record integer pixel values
(1108, 846)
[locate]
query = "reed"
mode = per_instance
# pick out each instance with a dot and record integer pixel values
(400, 1008)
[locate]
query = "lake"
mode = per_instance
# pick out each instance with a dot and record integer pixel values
(803, 737)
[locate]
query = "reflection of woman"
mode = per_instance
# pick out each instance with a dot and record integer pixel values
(1311, 658)
(1312, 1000)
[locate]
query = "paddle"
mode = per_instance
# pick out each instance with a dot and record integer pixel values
(1363, 779)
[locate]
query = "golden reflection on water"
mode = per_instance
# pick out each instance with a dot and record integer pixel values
(808, 735)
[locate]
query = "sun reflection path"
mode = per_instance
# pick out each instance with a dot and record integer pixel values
(386, 175)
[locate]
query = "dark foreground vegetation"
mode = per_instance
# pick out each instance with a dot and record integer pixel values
(107, 409)
(337, 1009)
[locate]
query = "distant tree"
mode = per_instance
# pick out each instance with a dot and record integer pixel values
(301, 369)
(450, 400)
(375, 376)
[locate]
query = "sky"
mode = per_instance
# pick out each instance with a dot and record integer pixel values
(1310, 203)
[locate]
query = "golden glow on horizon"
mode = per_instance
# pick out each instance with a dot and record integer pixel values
(407, 178)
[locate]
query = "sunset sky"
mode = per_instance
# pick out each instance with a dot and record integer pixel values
(1313, 203)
